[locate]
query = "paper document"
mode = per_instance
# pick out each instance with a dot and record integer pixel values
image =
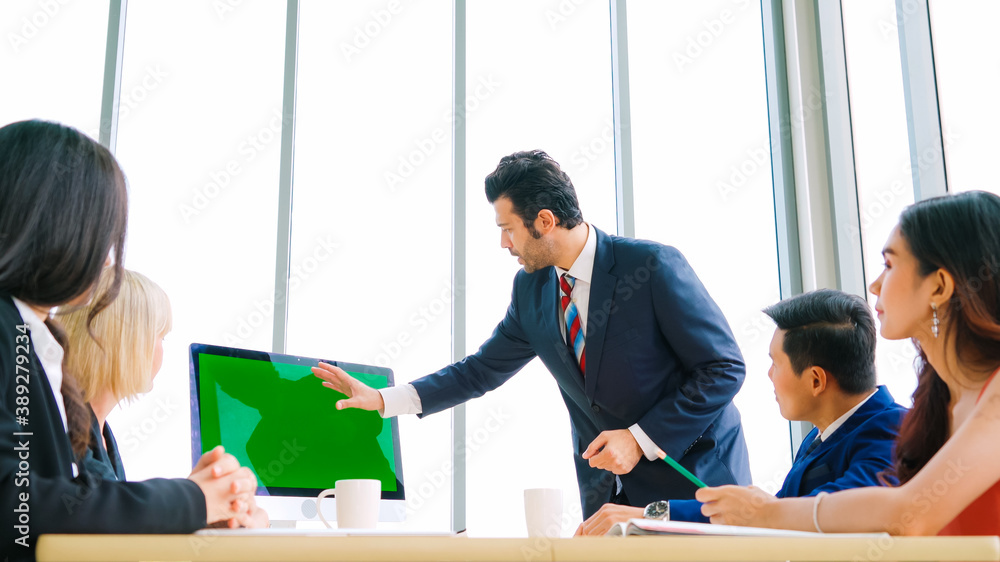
(654, 527)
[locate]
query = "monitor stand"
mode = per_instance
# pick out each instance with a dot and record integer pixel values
(286, 512)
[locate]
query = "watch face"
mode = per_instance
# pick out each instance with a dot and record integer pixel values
(656, 510)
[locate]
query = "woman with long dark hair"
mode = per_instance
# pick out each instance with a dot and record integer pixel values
(63, 216)
(941, 289)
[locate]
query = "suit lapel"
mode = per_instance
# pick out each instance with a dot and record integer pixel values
(549, 318)
(804, 466)
(794, 479)
(602, 286)
(878, 402)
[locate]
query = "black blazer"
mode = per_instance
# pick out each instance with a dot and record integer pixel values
(38, 491)
(660, 353)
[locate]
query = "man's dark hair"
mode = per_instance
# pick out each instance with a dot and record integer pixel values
(533, 181)
(832, 330)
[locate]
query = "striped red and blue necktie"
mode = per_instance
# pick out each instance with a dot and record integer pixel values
(574, 333)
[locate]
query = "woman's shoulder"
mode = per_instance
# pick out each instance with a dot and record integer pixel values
(10, 318)
(11, 326)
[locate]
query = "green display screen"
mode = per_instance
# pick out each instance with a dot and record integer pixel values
(279, 420)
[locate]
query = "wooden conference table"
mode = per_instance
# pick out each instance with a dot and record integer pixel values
(53, 548)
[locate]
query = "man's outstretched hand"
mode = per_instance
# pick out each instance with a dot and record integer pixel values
(359, 395)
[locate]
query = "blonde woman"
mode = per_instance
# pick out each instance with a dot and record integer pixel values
(121, 363)
(116, 358)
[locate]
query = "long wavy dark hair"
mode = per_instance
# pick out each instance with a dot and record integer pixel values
(64, 210)
(960, 234)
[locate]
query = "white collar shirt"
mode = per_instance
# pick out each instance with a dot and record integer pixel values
(840, 421)
(583, 271)
(48, 351)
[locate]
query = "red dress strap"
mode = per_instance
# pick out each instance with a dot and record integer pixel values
(982, 390)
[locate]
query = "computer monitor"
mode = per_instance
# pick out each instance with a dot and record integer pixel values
(270, 412)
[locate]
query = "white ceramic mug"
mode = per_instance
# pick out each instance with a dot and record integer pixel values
(543, 511)
(357, 503)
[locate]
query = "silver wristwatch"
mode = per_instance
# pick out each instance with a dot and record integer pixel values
(659, 510)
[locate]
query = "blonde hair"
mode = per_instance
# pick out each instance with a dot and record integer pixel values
(121, 358)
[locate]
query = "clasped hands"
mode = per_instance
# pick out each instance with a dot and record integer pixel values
(229, 491)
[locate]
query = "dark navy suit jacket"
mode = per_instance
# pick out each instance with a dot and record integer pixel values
(659, 353)
(852, 457)
(100, 460)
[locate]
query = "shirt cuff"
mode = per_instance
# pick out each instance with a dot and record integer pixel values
(649, 449)
(400, 400)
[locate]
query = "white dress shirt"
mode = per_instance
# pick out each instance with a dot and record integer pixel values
(840, 421)
(49, 352)
(404, 399)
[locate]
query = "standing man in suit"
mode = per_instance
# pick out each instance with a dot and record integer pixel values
(823, 371)
(643, 356)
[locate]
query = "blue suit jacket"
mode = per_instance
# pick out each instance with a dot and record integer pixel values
(852, 457)
(659, 353)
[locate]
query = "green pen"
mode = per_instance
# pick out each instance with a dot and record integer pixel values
(684, 472)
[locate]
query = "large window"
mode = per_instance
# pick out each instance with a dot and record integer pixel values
(549, 87)
(967, 68)
(703, 179)
(199, 140)
(52, 58)
(371, 236)
(881, 157)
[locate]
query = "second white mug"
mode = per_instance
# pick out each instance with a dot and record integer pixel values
(357, 503)
(543, 511)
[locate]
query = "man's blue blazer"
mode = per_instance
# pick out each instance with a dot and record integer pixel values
(852, 457)
(659, 353)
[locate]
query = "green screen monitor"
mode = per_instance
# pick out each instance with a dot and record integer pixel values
(276, 417)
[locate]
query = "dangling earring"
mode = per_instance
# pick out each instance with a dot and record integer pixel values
(934, 326)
